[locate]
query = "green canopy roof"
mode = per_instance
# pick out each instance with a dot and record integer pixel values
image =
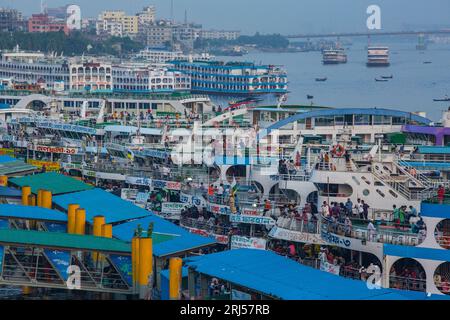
(70, 241)
(55, 182)
(15, 167)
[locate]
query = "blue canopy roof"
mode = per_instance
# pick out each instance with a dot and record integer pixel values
(99, 202)
(416, 252)
(10, 192)
(434, 150)
(31, 213)
(6, 159)
(183, 240)
(277, 276)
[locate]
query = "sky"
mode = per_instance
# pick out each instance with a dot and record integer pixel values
(273, 16)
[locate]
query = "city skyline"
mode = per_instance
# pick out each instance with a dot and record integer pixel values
(306, 16)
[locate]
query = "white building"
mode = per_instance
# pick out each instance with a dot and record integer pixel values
(95, 76)
(219, 34)
(109, 27)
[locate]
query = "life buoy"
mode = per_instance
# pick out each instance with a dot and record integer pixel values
(338, 150)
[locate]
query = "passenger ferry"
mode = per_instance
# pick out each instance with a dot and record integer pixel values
(378, 56)
(334, 56)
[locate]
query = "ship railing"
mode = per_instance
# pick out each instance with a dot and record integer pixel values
(407, 283)
(297, 176)
(399, 235)
(298, 225)
(204, 225)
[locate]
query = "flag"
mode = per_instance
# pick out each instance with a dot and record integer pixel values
(130, 155)
(234, 186)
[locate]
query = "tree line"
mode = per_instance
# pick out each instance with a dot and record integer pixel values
(76, 43)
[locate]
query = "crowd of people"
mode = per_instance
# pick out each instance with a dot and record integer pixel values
(313, 255)
(341, 218)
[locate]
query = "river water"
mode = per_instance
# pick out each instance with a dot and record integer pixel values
(413, 87)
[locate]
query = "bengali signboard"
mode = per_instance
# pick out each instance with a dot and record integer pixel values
(49, 166)
(170, 185)
(251, 212)
(137, 181)
(172, 210)
(50, 149)
(238, 242)
(289, 235)
(252, 219)
(129, 194)
(218, 209)
(198, 201)
(66, 127)
(219, 238)
(330, 268)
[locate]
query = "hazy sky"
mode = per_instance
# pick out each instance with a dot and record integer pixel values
(281, 16)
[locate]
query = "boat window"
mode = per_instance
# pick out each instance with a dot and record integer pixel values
(393, 194)
(378, 184)
(380, 193)
(365, 180)
(356, 180)
(366, 192)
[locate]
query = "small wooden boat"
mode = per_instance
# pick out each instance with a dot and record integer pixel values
(427, 62)
(310, 97)
(442, 100)
(381, 80)
(321, 79)
(387, 77)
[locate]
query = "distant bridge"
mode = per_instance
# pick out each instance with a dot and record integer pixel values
(366, 34)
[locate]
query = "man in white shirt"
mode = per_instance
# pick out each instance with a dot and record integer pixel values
(371, 230)
(325, 209)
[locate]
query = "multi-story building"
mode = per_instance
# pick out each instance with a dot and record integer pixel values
(44, 23)
(217, 77)
(146, 79)
(11, 20)
(219, 34)
(90, 76)
(186, 34)
(130, 24)
(147, 15)
(157, 35)
(110, 28)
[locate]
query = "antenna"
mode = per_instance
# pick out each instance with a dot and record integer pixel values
(171, 11)
(185, 17)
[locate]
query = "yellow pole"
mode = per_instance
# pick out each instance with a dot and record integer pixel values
(80, 221)
(32, 200)
(26, 191)
(99, 221)
(107, 230)
(3, 181)
(135, 260)
(145, 265)
(175, 277)
(39, 198)
(71, 217)
(46, 199)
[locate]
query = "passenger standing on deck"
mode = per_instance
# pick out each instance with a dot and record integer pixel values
(325, 209)
(349, 206)
(441, 194)
(365, 207)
